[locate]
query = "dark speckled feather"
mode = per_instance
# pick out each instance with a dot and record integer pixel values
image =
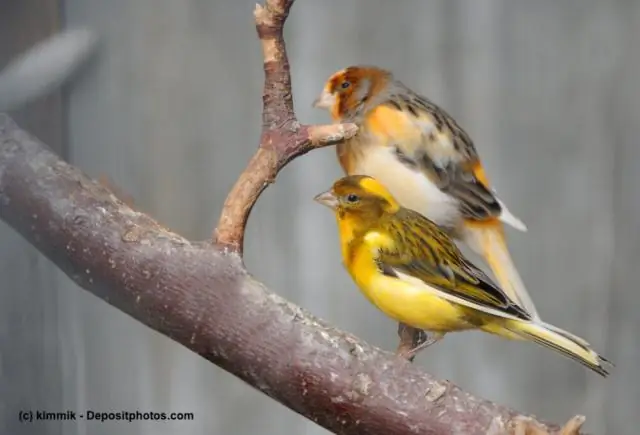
(425, 252)
(453, 176)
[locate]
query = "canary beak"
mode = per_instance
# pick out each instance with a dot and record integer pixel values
(327, 198)
(324, 101)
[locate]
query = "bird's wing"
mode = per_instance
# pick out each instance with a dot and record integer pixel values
(421, 252)
(445, 153)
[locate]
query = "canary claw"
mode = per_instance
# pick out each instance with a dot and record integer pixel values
(411, 342)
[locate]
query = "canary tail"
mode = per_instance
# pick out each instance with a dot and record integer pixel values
(562, 341)
(487, 239)
(510, 219)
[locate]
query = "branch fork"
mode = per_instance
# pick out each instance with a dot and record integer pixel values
(283, 137)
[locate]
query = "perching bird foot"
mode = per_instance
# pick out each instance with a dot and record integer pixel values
(409, 339)
(526, 426)
(413, 341)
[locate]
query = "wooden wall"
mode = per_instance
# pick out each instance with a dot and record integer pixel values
(30, 372)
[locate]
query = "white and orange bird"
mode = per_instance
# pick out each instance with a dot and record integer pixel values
(426, 160)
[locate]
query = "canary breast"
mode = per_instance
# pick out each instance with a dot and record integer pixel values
(401, 300)
(372, 152)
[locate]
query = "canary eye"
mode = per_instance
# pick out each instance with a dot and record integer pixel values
(345, 85)
(352, 198)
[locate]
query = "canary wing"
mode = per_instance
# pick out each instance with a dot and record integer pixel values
(445, 153)
(423, 254)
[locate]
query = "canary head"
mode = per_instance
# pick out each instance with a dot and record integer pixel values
(351, 91)
(359, 196)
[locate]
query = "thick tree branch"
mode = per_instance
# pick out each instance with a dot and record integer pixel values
(202, 297)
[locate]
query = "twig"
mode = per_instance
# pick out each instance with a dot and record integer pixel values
(283, 137)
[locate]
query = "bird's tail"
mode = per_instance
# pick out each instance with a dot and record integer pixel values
(561, 341)
(488, 240)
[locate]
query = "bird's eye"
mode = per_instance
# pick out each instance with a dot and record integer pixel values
(345, 85)
(352, 198)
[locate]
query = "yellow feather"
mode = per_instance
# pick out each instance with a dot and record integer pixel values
(371, 185)
(398, 299)
(414, 273)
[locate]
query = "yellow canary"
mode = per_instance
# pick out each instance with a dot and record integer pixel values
(414, 273)
(426, 160)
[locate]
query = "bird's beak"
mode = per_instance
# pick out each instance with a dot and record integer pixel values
(327, 198)
(324, 101)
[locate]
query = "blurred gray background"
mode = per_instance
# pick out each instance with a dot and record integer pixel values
(170, 111)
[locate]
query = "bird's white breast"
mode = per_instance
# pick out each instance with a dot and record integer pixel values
(411, 188)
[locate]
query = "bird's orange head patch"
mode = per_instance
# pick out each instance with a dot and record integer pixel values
(347, 92)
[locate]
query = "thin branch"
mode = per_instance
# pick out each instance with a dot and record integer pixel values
(277, 110)
(277, 148)
(283, 137)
